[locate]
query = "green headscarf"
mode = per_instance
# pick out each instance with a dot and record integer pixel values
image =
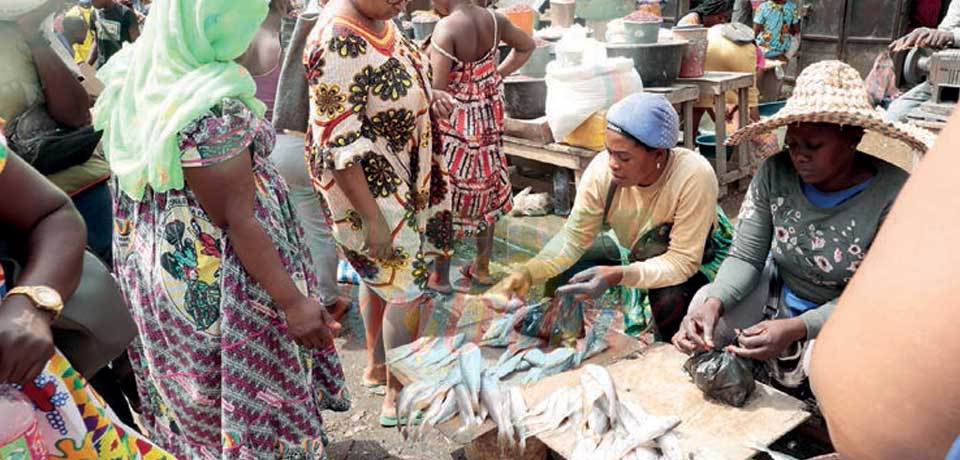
(180, 67)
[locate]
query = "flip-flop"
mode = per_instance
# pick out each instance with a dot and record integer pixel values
(467, 272)
(372, 384)
(391, 421)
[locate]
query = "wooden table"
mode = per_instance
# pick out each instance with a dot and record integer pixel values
(566, 157)
(685, 96)
(717, 84)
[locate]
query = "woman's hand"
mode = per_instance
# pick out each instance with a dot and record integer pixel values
(696, 330)
(379, 240)
(768, 339)
(26, 343)
(593, 282)
(442, 104)
(516, 284)
(310, 324)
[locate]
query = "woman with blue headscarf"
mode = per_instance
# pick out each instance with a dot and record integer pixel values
(645, 223)
(235, 357)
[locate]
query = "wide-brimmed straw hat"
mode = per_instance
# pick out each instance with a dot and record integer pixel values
(833, 92)
(13, 9)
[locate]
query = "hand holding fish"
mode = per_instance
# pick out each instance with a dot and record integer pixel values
(696, 330)
(768, 339)
(593, 282)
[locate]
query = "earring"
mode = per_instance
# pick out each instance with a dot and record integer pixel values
(658, 165)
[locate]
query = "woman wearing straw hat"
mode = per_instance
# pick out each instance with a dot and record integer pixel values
(815, 209)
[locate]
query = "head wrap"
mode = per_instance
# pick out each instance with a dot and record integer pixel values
(180, 67)
(647, 118)
(712, 7)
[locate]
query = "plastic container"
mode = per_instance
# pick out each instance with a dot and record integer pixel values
(769, 109)
(707, 144)
(695, 55)
(658, 63)
(562, 12)
(642, 33)
(522, 18)
(591, 134)
(19, 431)
(422, 29)
(536, 66)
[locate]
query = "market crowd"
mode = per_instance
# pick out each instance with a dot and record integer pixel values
(231, 154)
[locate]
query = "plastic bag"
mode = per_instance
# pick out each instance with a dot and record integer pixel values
(722, 375)
(559, 321)
(882, 80)
(582, 81)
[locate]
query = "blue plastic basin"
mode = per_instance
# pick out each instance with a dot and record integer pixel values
(707, 143)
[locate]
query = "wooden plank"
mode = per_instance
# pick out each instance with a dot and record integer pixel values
(657, 383)
(677, 94)
(541, 154)
(533, 130)
(717, 83)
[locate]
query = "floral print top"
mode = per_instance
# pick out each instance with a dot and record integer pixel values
(369, 107)
(776, 20)
(816, 250)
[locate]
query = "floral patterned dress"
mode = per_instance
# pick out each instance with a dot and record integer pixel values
(73, 422)
(369, 106)
(218, 375)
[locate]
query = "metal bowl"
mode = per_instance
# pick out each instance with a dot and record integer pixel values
(525, 98)
(657, 63)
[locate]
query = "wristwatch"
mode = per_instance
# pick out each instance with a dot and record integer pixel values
(43, 297)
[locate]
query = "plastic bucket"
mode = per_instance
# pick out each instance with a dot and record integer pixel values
(422, 30)
(522, 19)
(695, 56)
(562, 12)
(641, 33)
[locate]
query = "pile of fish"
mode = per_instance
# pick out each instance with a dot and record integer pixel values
(604, 426)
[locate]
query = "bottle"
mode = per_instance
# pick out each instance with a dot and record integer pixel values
(19, 432)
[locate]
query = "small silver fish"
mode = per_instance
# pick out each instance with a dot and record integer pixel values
(603, 378)
(669, 445)
(509, 366)
(584, 449)
(597, 421)
(561, 405)
(407, 395)
(492, 398)
(536, 357)
(518, 409)
(432, 410)
(772, 453)
(471, 365)
(464, 404)
(644, 453)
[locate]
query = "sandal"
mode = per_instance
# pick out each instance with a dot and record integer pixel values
(372, 383)
(391, 421)
(468, 272)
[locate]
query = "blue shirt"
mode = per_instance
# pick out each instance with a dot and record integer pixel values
(796, 304)
(776, 19)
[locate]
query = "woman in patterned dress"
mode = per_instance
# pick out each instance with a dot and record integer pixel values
(464, 57)
(72, 420)
(236, 357)
(369, 151)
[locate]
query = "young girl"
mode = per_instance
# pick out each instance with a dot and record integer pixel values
(463, 52)
(776, 23)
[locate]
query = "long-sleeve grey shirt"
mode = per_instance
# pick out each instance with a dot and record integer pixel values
(951, 22)
(816, 250)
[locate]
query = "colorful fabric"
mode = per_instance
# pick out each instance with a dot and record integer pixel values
(81, 51)
(471, 142)
(369, 106)
(776, 19)
(218, 375)
(171, 76)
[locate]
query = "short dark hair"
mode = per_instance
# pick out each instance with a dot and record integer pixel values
(74, 23)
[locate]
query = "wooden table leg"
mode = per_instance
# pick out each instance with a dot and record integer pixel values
(689, 131)
(746, 146)
(720, 111)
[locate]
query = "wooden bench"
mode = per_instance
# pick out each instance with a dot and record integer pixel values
(717, 84)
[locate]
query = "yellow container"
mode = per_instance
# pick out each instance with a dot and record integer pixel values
(591, 134)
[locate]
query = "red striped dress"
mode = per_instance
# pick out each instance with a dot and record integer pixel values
(472, 143)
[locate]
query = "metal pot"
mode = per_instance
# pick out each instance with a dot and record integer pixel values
(657, 63)
(525, 98)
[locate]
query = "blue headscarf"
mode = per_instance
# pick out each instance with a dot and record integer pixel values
(647, 118)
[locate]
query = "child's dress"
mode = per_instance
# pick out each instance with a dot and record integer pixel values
(472, 144)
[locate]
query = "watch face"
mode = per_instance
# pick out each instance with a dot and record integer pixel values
(47, 297)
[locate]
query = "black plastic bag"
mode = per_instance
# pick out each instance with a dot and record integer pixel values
(722, 375)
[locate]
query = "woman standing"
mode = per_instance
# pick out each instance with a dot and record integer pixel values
(234, 357)
(806, 223)
(708, 14)
(369, 149)
(464, 54)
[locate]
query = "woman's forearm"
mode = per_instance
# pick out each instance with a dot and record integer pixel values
(67, 101)
(56, 247)
(260, 258)
(514, 61)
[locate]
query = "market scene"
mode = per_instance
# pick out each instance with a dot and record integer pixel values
(479, 229)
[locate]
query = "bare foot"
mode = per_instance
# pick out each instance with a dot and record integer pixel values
(375, 376)
(439, 283)
(481, 277)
